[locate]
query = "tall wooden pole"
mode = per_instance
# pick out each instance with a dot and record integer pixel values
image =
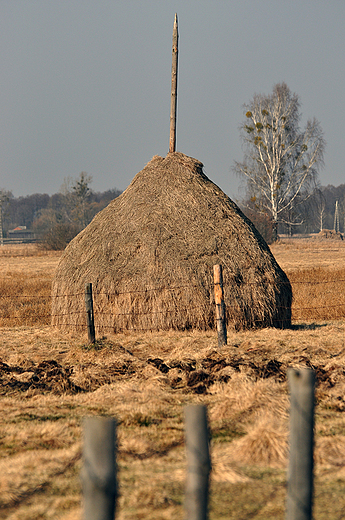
(173, 106)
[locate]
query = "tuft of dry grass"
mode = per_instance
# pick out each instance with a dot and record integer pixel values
(265, 443)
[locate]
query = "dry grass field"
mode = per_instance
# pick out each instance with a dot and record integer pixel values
(49, 381)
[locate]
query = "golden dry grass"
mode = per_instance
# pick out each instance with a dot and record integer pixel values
(295, 254)
(25, 284)
(316, 270)
(50, 380)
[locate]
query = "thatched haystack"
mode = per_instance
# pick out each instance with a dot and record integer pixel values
(329, 234)
(150, 257)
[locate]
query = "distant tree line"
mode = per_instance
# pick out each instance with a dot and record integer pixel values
(315, 214)
(56, 219)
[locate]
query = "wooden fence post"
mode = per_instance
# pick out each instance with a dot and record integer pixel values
(220, 305)
(300, 470)
(89, 313)
(198, 462)
(98, 474)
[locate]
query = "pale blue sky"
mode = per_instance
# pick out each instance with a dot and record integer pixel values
(85, 84)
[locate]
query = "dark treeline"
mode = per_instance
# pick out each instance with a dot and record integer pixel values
(319, 210)
(29, 210)
(56, 219)
(313, 215)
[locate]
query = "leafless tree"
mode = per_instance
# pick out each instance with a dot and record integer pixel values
(320, 206)
(4, 198)
(281, 161)
(77, 193)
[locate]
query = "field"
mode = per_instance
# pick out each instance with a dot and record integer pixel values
(49, 381)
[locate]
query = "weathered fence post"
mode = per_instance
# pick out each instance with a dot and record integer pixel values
(220, 305)
(198, 462)
(89, 313)
(300, 470)
(98, 474)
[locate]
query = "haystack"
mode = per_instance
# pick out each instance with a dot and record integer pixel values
(150, 254)
(329, 234)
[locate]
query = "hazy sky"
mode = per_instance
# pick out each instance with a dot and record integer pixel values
(85, 84)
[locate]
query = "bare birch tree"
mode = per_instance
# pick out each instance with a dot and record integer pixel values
(281, 161)
(320, 207)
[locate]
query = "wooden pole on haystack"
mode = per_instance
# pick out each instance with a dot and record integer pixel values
(173, 106)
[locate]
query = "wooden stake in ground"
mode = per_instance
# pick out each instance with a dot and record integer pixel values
(300, 471)
(173, 106)
(220, 305)
(89, 313)
(198, 462)
(99, 468)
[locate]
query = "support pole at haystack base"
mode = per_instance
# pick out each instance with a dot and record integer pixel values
(300, 470)
(173, 106)
(220, 305)
(198, 462)
(98, 474)
(89, 313)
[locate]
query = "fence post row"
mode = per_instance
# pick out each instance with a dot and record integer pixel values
(98, 473)
(300, 469)
(89, 313)
(220, 305)
(99, 453)
(198, 462)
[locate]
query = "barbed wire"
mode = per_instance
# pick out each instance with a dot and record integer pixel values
(164, 288)
(28, 302)
(98, 312)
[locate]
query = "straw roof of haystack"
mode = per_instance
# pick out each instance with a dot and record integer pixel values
(150, 254)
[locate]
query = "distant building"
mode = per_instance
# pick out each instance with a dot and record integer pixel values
(21, 233)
